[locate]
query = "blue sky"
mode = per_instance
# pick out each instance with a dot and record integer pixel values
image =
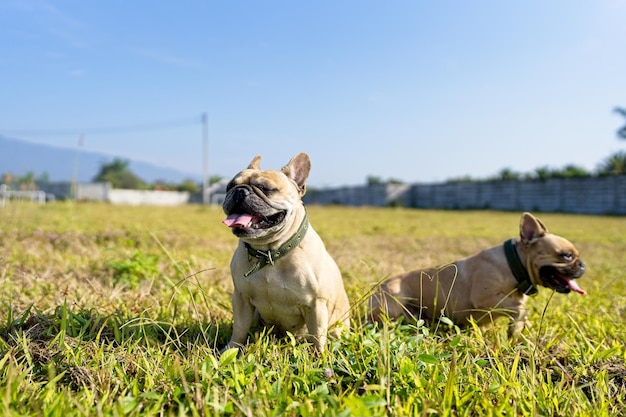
(419, 91)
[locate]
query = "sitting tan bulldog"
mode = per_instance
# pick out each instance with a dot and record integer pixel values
(493, 283)
(281, 270)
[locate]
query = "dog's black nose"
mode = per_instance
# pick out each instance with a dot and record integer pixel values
(236, 197)
(241, 192)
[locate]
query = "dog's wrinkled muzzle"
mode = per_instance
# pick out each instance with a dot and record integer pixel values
(562, 277)
(249, 213)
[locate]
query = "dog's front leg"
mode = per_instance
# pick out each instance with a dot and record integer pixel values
(243, 317)
(517, 323)
(316, 321)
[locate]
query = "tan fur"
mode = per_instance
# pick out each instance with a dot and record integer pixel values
(480, 287)
(303, 292)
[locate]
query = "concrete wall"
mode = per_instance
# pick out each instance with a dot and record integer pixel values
(93, 191)
(592, 195)
(371, 195)
(85, 191)
(102, 191)
(145, 197)
(60, 190)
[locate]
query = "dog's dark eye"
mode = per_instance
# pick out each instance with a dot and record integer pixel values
(567, 256)
(230, 185)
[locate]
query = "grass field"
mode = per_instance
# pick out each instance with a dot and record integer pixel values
(110, 310)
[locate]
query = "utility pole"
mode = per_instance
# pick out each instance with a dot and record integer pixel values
(74, 186)
(205, 158)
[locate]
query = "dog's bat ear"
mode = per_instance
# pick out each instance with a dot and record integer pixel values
(531, 227)
(298, 170)
(256, 163)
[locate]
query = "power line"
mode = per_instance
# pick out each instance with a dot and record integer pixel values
(142, 127)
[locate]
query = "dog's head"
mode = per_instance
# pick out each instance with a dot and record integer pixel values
(262, 203)
(551, 260)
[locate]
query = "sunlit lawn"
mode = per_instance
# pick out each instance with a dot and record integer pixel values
(112, 310)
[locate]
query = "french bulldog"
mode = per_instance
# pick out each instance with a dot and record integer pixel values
(281, 270)
(493, 283)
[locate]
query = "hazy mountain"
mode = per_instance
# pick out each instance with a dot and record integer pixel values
(19, 157)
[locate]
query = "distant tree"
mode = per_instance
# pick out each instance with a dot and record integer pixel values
(373, 180)
(543, 173)
(190, 186)
(508, 174)
(118, 174)
(572, 171)
(614, 164)
(7, 178)
(27, 181)
(213, 179)
(394, 181)
(44, 177)
(463, 179)
(162, 185)
(621, 133)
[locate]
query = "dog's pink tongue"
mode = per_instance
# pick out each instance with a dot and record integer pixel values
(238, 220)
(574, 287)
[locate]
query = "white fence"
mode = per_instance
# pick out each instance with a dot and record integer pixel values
(6, 194)
(97, 191)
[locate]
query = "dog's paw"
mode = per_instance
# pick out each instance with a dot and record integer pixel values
(229, 346)
(227, 355)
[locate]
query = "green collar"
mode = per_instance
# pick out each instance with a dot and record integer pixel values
(268, 257)
(524, 285)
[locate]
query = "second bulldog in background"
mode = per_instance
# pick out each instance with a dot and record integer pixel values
(281, 270)
(493, 283)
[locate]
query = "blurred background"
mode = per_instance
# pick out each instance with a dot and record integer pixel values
(376, 92)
